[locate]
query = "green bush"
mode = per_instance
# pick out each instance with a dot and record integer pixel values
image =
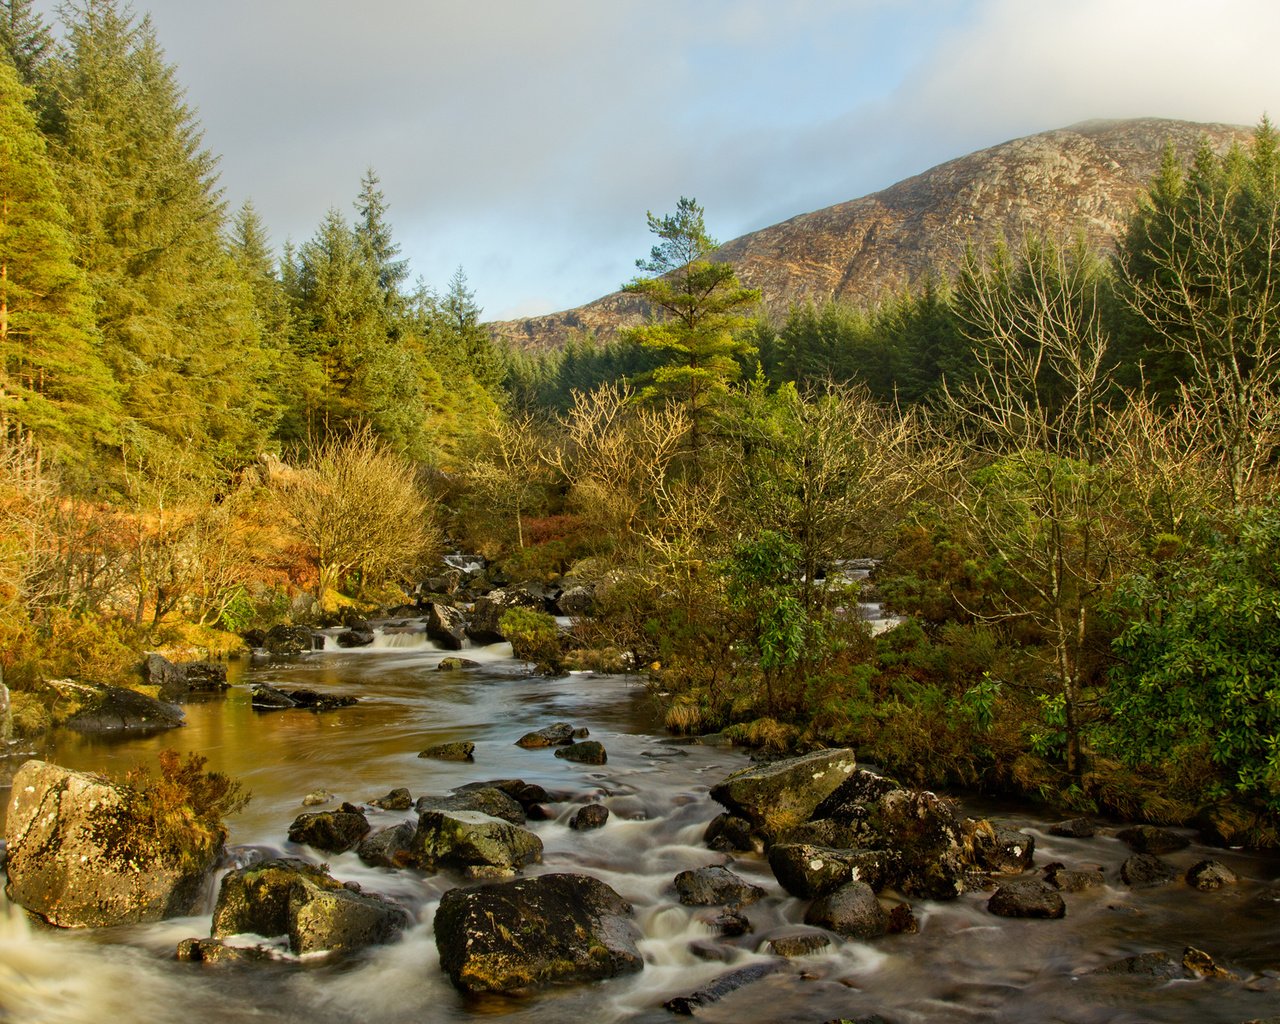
(534, 637)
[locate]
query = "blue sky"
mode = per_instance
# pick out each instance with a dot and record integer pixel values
(525, 139)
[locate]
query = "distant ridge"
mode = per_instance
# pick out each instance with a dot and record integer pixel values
(1083, 178)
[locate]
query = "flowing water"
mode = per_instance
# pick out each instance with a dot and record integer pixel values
(964, 965)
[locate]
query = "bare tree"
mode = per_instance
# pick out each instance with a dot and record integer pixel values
(358, 507)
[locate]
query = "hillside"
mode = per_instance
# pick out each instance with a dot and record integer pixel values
(1084, 178)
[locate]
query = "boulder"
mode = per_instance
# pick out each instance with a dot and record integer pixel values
(467, 839)
(456, 664)
(534, 932)
(859, 788)
(486, 799)
(1149, 839)
(586, 752)
(390, 847)
(446, 626)
(727, 833)
(398, 799)
(450, 751)
(1156, 965)
(797, 942)
(1208, 875)
(558, 735)
(727, 921)
(715, 886)
(589, 817)
(331, 831)
(851, 910)
(529, 795)
(317, 797)
(117, 711)
(1027, 897)
(78, 857)
(181, 682)
(1000, 850)
(722, 986)
(1144, 871)
(579, 601)
(486, 613)
(777, 796)
(921, 830)
(268, 698)
(318, 913)
(355, 638)
(289, 640)
(807, 871)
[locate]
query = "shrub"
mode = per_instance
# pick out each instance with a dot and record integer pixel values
(534, 637)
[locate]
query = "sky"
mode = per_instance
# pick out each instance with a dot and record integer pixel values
(525, 140)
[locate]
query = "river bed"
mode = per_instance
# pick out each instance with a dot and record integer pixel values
(964, 965)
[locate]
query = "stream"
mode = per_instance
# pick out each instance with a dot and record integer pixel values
(964, 965)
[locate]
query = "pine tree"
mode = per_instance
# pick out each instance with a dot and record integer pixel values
(25, 40)
(177, 324)
(375, 234)
(53, 383)
(462, 319)
(701, 314)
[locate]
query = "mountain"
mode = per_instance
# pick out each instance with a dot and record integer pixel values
(1085, 178)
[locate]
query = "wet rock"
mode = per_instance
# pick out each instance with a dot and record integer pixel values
(255, 639)
(1156, 965)
(777, 796)
(1075, 880)
(389, 847)
(355, 638)
(317, 912)
(586, 752)
(1201, 965)
(456, 664)
(902, 920)
(712, 952)
(1074, 828)
(715, 886)
(1208, 875)
(450, 751)
(1027, 897)
(530, 796)
(398, 799)
(920, 829)
(486, 799)
(463, 839)
(289, 640)
(808, 871)
(859, 789)
(1149, 839)
(316, 798)
(727, 833)
(534, 932)
(179, 682)
(558, 735)
(484, 627)
(729, 922)
(1000, 850)
(268, 698)
(589, 817)
(1143, 871)
(117, 711)
(215, 951)
(798, 943)
(851, 910)
(78, 856)
(722, 986)
(331, 831)
(446, 626)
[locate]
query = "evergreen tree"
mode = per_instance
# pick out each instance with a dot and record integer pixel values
(462, 319)
(176, 322)
(25, 40)
(375, 234)
(701, 311)
(53, 383)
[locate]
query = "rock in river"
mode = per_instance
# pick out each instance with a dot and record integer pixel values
(776, 796)
(79, 858)
(331, 831)
(534, 932)
(469, 839)
(715, 886)
(317, 912)
(117, 710)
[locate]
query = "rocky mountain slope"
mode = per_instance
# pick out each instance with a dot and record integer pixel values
(1085, 178)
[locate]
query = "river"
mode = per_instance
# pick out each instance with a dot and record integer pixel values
(964, 965)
